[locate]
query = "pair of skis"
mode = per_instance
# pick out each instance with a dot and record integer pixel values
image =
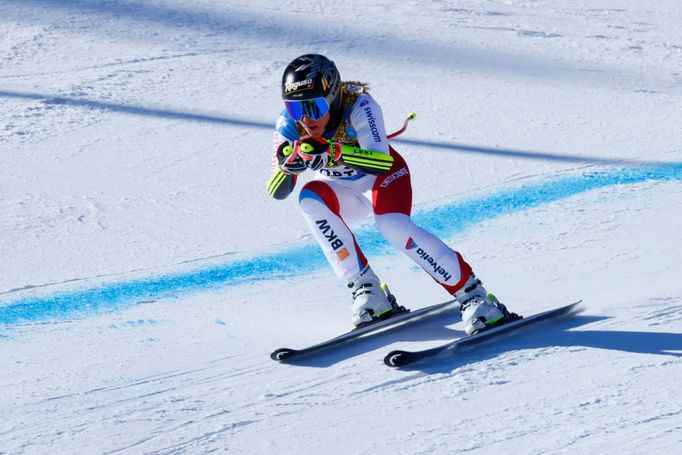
(400, 358)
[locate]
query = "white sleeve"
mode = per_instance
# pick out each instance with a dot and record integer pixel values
(278, 140)
(368, 122)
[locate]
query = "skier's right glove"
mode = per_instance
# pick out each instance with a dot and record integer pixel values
(289, 160)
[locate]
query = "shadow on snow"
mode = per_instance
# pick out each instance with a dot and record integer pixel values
(559, 333)
(542, 335)
(171, 114)
(136, 110)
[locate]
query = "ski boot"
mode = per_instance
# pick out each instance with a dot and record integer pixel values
(372, 301)
(481, 311)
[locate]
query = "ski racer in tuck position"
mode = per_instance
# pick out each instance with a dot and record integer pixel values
(336, 128)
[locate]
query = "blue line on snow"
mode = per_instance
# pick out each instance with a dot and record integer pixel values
(444, 221)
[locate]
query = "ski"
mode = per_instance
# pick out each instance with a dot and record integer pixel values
(288, 354)
(399, 358)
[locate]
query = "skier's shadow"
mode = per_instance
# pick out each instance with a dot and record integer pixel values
(558, 333)
(430, 329)
(551, 333)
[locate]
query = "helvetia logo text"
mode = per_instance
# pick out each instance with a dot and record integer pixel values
(437, 269)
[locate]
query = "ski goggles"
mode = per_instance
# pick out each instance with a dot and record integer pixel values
(315, 108)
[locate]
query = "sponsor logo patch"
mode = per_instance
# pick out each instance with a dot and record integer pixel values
(372, 124)
(437, 269)
(297, 86)
(345, 172)
(411, 244)
(393, 177)
(329, 234)
(343, 254)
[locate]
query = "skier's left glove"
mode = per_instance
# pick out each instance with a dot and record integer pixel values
(317, 152)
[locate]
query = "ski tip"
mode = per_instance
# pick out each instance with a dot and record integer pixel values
(282, 354)
(396, 359)
(573, 307)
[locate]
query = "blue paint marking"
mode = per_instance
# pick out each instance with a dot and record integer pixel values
(444, 221)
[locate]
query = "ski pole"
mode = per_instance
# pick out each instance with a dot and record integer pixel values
(412, 116)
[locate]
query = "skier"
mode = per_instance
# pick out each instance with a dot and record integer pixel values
(322, 112)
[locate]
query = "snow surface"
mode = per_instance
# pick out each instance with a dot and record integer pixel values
(146, 275)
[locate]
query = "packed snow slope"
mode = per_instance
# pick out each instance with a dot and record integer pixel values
(146, 275)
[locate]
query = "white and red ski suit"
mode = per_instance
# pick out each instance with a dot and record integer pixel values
(340, 196)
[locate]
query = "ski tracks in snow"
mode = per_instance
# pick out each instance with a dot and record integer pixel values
(224, 403)
(157, 401)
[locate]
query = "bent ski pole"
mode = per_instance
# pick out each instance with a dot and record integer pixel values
(412, 116)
